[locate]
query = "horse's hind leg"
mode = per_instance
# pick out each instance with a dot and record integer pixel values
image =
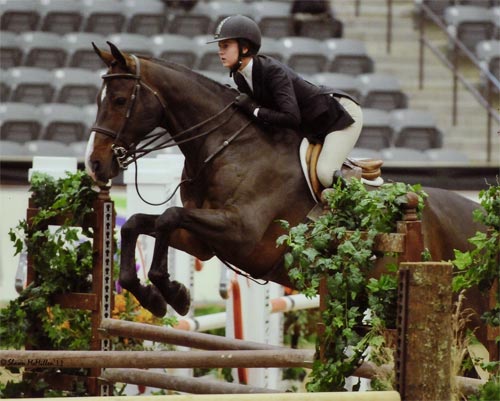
(148, 296)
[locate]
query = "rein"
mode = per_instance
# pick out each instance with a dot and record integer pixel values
(125, 156)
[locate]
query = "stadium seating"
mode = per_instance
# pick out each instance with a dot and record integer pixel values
(348, 56)
(364, 153)
(145, 17)
(12, 149)
(43, 49)
(403, 155)
(62, 123)
(177, 48)
(80, 51)
(105, 17)
(272, 47)
(304, 55)
(488, 53)
(222, 78)
(446, 155)
(76, 86)
(31, 85)
(19, 122)
(11, 53)
(377, 132)
(274, 18)
(133, 43)
(4, 86)
(469, 24)
(415, 129)
(208, 56)
(344, 82)
(220, 9)
(61, 16)
(19, 15)
(381, 91)
(42, 147)
(190, 23)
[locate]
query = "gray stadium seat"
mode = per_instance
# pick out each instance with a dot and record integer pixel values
(220, 9)
(404, 155)
(11, 52)
(208, 56)
(19, 122)
(191, 23)
(436, 6)
(273, 48)
(62, 122)
(176, 48)
(12, 149)
(446, 155)
(43, 49)
(19, 15)
(80, 51)
(78, 149)
(31, 85)
(145, 17)
(4, 86)
(488, 53)
(61, 16)
(133, 43)
(377, 132)
(415, 129)
(344, 82)
(315, 20)
(381, 91)
(43, 147)
(364, 153)
(274, 18)
(76, 86)
(304, 55)
(469, 24)
(348, 56)
(105, 17)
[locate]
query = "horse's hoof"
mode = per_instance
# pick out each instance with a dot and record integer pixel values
(178, 297)
(155, 303)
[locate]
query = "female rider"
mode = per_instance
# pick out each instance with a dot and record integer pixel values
(275, 94)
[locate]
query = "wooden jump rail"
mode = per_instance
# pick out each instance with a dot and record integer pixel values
(100, 301)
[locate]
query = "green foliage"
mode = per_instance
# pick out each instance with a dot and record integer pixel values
(479, 266)
(338, 248)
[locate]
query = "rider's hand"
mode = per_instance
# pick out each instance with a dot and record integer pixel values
(245, 103)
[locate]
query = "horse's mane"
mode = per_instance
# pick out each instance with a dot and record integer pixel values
(214, 86)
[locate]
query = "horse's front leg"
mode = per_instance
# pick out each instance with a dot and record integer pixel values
(198, 232)
(148, 296)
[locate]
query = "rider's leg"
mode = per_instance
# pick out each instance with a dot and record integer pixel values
(338, 144)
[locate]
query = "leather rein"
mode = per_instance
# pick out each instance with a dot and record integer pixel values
(127, 155)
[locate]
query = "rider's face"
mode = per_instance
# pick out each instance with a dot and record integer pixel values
(228, 52)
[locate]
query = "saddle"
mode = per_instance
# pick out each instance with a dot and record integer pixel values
(366, 170)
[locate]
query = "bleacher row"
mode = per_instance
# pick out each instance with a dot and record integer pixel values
(49, 69)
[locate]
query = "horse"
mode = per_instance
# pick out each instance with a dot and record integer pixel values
(239, 178)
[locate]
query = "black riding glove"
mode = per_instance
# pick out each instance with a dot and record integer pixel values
(245, 103)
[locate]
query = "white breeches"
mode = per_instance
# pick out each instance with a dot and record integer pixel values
(338, 144)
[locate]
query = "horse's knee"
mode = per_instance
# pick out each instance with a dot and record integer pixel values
(169, 219)
(128, 280)
(158, 277)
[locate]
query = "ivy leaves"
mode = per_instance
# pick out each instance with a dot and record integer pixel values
(337, 247)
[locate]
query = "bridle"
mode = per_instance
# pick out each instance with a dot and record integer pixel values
(127, 155)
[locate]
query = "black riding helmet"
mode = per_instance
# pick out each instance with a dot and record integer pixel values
(240, 28)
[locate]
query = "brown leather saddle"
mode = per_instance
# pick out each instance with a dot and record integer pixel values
(369, 169)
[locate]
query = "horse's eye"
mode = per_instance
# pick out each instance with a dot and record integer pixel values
(120, 101)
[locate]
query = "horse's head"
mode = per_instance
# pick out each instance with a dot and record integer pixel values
(128, 109)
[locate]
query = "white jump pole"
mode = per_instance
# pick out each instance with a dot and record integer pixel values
(259, 324)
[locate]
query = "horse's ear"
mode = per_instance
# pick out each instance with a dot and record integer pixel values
(103, 55)
(118, 55)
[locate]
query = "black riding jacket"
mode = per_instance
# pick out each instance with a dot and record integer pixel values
(288, 100)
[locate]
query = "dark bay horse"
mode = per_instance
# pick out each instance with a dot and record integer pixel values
(239, 176)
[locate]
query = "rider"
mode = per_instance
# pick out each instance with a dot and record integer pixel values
(275, 94)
